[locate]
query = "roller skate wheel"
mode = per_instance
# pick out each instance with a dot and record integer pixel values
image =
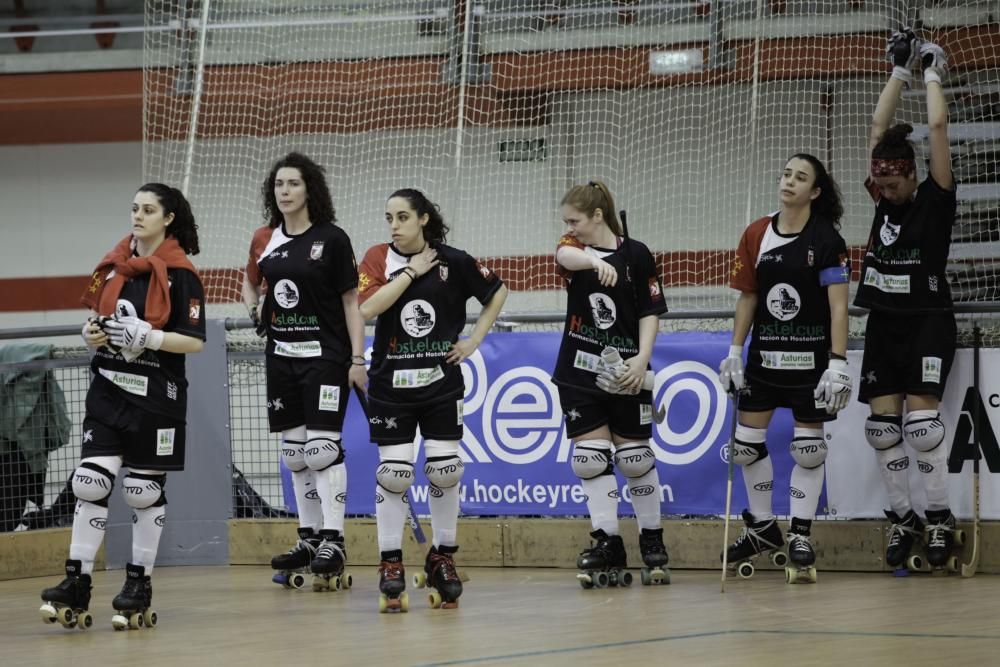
(791, 575)
(119, 622)
(612, 578)
(297, 580)
(335, 583)
(915, 563)
(645, 576)
(666, 577)
(745, 570)
(134, 620)
(602, 580)
(952, 564)
(625, 579)
(779, 559)
(347, 581)
(959, 538)
(383, 603)
(404, 602)
(280, 579)
(48, 613)
(85, 620)
(812, 574)
(149, 617)
(420, 580)
(434, 599)
(65, 617)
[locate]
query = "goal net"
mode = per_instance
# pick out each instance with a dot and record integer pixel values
(686, 108)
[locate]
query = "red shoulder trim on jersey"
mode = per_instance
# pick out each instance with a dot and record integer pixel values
(371, 273)
(743, 272)
(261, 237)
(572, 242)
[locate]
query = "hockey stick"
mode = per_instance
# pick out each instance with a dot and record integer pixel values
(729, 489)
(411, 518)
(969, 569)
(661, 412)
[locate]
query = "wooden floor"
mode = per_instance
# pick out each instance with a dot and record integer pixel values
(519, 616)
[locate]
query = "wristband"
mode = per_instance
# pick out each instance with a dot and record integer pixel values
(410, 271)
(736, 351)
(358, 363)
(839, 357)
(902, 74)
(931, 74)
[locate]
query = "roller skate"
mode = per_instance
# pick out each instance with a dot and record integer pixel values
(604, 563)
(328, 565)
(441, 577)
(392, 583)
(67, 602)
(903, 533)
(133, 603)
(654, 557)
(802, 568)
(758, 537)
(942, 539)
(293, 565)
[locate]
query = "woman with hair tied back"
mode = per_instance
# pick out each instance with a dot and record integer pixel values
(792, 271)
(148, 312)
(911, 332)
(314, 354)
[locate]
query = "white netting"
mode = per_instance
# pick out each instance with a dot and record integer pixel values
(494, 108)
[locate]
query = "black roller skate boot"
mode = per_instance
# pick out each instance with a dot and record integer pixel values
(293, 565)
(68, 601)
(903, 533)
(134, 601)
(654, 557)
(604, 563)
(801, 569)
(758, 537)
(441, 577)
(328, 565)
(392, 583)
(942, 537)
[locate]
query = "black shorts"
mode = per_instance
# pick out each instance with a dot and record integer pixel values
(396, 423)
(113, 426)
(759, 396)
(306, 392)
(624, 416)
(907, 354)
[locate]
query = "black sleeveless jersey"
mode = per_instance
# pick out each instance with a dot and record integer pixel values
(599, 316)
(413, 336)
(907, 253)
(306, 275)
(790, 341)
(155, 381)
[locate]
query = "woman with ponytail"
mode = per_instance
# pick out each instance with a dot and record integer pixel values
(148, 311)
(911, 333)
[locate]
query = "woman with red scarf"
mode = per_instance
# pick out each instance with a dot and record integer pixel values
(148, 311)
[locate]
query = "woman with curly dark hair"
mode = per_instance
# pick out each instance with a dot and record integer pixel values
(315, 353)
(147, 312)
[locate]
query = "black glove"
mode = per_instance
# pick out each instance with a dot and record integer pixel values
(901, 48)
(259, 327)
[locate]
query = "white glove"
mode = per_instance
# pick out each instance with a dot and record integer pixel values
(132, 334)
(901, 51)
(614, 366)
(834, 387)
(934, 61)
(731, 370)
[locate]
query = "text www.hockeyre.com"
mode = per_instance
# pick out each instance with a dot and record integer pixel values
(526, 493)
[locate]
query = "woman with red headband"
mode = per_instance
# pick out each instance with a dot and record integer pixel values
(910, 337)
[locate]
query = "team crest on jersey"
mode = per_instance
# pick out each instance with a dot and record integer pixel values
(889, 232)
(654, 288)
(194, 311)
(783, 302)
(417, 318)
(286, 293)
(443, 272)
(316, 251)
(603, 310)
(483, 270)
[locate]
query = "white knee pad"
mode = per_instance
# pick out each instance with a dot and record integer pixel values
(808, 447)
(94, 479)
(144, 488)
(750, 445)
(591, 458)
(293, 448)
(923, 430)
(323, 450)
(884, 431)
(634, 459)
(443, 467)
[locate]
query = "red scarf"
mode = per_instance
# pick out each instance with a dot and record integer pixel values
(102, 294)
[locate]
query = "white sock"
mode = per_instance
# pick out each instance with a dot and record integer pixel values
(89, 523)
(332, 487)
(647, 507)
(307, 499)
(894, 464)
(391, 508)
(147, 526)
(444, 514)
(758, 478)
(933, 467)
(809, 482)
(602, 502)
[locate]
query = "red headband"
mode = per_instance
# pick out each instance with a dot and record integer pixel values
(893, 167)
